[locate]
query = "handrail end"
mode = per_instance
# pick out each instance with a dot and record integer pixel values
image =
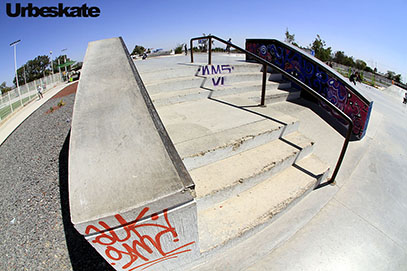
(331, 181)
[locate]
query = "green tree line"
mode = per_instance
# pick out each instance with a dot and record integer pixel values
(35, 69)
(325, 54)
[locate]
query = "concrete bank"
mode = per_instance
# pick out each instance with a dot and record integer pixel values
(123, 168)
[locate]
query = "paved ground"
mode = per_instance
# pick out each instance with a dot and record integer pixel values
(362, 227)
(36, 232)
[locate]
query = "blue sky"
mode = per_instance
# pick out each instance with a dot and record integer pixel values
(374, 31)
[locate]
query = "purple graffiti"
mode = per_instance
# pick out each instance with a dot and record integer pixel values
(216, 69)
(319, 78)
(218, 80)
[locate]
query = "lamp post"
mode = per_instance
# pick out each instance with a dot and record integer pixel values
(52, 68)
(25, 79)
(64, 58)
(15, 66)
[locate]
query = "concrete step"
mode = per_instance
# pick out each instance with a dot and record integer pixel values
(210, 82)
(275, 77)
(192, 94)
(206, 131)
(170, 72)
(253, 98)
(244, 214)
(228, 177)
(214, 147)
(272, 96)
(174, 84)
(151, 76)
(221, 69)
(222, 80)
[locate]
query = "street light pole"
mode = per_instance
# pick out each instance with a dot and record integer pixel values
(25, 79)
(15, 66)
(52, 68)
(59, 69)
(64, 59)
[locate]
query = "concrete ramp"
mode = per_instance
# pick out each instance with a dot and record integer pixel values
(130, 194)
(395, 92)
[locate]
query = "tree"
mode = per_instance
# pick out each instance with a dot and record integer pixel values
(349, 61)
(138, 50)
(59, 61)
(339, 57)
(390, 75)
(290, 38)
(178, 49)
(397, 78)
(368, 69)
(34, 69)
(360, 64)
(322, 53)
(4, 88)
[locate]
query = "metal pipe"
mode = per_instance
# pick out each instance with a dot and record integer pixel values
(15, 67)
(192, 51)
(306, 88)
(342, 155)
(263, 86)
(210, 52)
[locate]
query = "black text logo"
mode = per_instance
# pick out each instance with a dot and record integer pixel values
(56, 11)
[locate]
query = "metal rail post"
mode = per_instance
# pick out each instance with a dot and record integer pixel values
(192, 51)
(263, 86)
(210, 51)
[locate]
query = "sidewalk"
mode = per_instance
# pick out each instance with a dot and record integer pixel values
(9, 125)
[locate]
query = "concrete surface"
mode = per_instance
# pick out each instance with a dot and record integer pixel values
(119, 162)
(396, 92)
(358, 224)
(238, 154)
(235, 174)
(364, 226)
(15, 119)
(124, 173)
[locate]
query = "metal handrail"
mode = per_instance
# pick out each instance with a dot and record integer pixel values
(295, 80)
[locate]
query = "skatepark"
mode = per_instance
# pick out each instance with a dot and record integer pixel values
(187, 146)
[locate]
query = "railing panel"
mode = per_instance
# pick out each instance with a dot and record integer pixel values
(319, 77)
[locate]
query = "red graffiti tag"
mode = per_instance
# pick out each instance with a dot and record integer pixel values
(133, 243)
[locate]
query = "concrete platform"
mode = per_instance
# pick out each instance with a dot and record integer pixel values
(358, 224)
(294, 240)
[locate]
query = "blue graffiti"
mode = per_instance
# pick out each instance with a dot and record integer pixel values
(216, 69)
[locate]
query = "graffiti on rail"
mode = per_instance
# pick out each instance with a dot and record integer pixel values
(319, 78)
(218, 70)
(135, 249)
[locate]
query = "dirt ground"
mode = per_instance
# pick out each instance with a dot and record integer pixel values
(66, 91)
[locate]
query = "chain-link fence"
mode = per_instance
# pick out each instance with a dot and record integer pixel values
(15, 98)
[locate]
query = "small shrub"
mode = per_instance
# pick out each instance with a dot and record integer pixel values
(61, 103)
(178, 49)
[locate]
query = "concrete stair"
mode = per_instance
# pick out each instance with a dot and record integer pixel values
(191, 82)
(249, 163)
(245, 213)
(228, 177)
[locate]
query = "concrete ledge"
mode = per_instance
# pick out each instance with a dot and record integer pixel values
(121, 159)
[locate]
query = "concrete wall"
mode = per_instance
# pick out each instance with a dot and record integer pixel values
(320, 77)
(130, 194)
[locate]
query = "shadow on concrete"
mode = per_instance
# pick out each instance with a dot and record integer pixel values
(82, 255)
(244, 108)
(335, 123)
